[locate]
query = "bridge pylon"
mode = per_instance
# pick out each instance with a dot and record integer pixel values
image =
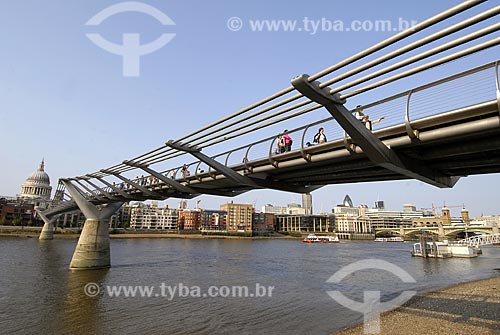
(92, 250)
(47, 232)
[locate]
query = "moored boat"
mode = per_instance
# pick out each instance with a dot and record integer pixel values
(444, 250)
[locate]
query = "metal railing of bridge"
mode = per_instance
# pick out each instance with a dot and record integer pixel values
(278, 109)
(477, 241)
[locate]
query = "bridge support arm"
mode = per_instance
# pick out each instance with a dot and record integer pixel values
(227, 172)
(172, 183)
(106, 194)
(137, 186)
(89, 210)
(373, 147)
(114, 188)
(95, 194)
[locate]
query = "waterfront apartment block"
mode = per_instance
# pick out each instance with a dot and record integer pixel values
(213, 220)
(144, 216)
(239, 217)
(72, 220)
(189, 219)
(263, 223)
(15, 213)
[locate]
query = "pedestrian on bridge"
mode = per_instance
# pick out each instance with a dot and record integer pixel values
(280, 144)
(184, 171)
(320, 137)
(171, 174)
(288, 140)
(358, 114)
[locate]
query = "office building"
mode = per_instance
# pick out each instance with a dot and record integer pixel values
(305, 223)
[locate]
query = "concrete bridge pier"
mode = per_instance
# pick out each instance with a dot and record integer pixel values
(441, 233)
(47, 232)
(92, 250)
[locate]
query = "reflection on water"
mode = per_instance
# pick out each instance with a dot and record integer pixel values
(38, 294)
(81, 313)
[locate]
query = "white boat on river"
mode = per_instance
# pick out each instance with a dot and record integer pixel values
(312, 238)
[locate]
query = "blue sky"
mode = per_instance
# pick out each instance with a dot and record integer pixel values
(65, 99)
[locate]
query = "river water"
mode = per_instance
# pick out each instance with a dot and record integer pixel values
(39, 295)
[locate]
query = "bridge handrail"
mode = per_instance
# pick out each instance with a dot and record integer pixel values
(406, 94)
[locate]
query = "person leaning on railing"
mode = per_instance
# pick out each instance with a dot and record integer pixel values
(369, 123)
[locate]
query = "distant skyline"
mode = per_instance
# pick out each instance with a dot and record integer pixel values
(65, 99)
(324, 199)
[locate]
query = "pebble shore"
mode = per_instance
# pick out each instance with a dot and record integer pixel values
(472, 308)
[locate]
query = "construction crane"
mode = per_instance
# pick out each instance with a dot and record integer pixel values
(433, 208)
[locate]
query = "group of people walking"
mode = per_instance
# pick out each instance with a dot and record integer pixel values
(284, 141)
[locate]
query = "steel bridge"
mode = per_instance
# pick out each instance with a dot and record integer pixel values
(435, 133)
(477, 241)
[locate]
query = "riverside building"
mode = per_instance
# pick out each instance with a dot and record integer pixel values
(213, 221)
(445, 219)
(149, 216)
(291, 209)
(302, 223)
(487, 221)
(352, 222)
(189, 219)
(263, 223)
(239, 217)
(15, 213)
